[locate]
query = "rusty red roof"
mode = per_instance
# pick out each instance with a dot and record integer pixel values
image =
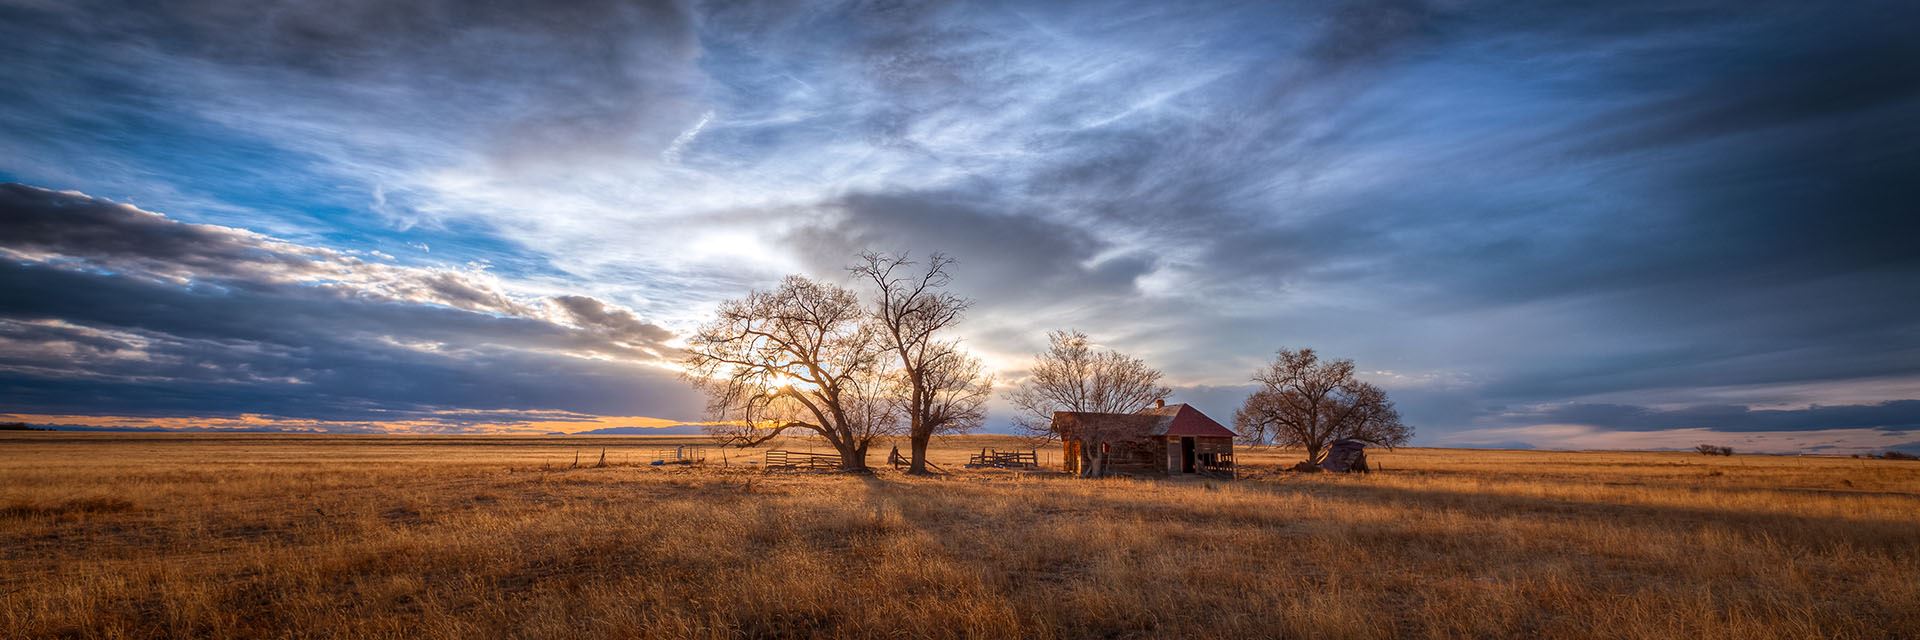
(1170, 420)
(1184, 420)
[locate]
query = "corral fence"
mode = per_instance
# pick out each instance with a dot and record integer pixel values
(996, 459)
(682, 454)
(783, 460)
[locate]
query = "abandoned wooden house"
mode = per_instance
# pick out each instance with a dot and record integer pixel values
(1164, 440)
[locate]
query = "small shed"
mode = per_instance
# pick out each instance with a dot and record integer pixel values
(1162, 441)
(1348, 455)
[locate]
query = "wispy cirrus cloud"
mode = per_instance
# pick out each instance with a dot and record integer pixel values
(1692, 207)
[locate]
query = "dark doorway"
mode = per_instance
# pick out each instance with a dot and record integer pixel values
(1186, 455)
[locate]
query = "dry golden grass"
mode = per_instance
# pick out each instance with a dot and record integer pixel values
(223, 536)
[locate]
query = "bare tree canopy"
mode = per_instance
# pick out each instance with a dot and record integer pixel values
(956, 395)
(1304, 402)
(802, 356)
(1071, 376)
(941, 388)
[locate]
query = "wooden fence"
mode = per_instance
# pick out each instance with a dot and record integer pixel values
(679, 455)
(801, 460)
(995, 459)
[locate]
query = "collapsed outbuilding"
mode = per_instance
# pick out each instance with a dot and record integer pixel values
(1164, 440)
(1347, 455)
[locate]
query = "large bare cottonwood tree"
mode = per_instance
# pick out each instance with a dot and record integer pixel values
(1072, 376)
(802, 356)
(941, 388)
(1309, 403)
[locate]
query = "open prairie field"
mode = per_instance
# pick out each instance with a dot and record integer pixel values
(121, 535)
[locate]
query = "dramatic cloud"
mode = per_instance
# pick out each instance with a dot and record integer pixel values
(1898, 415)
(1603, 226)
(1025, 256)
(127, 313)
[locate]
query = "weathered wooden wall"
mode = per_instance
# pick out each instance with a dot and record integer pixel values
(1138, 456)
(1141, 456)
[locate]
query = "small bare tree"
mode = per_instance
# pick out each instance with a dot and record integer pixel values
(1304, 402)
(942, 389)
(955, 400)
(1071, 376)
(802, 356)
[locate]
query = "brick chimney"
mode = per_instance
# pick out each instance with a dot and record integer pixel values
(1160, 404)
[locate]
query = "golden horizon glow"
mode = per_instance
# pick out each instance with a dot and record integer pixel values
(449, 424)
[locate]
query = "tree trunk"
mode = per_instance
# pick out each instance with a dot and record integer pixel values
(1313, 453)
(919, 446)
(1086, 460)
(853, 457)
(1093, 462)
(918, 431)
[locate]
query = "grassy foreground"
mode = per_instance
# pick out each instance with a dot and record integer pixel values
(217, 536)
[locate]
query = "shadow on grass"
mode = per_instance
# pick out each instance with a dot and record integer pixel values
(1800, 532)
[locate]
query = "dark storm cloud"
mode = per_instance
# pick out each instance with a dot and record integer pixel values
(545, 82)
(1847, 63)
(1899, 415)
(65, 227)
(614, 322)
(1013, 258)
(1802, 175)
(116, 314)
(1741, 218)
(1686, 195)
(121, 237)
(1363, 32)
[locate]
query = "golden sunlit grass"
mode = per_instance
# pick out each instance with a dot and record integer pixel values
(201, 535)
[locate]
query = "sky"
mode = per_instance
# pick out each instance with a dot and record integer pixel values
(1535, 225)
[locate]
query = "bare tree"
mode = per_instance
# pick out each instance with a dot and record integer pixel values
(957, 393)
(1304, 402)
(943, 390)
(802, 356)
(1071, 376)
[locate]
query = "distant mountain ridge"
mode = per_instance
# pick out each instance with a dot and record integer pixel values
(673, 430)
